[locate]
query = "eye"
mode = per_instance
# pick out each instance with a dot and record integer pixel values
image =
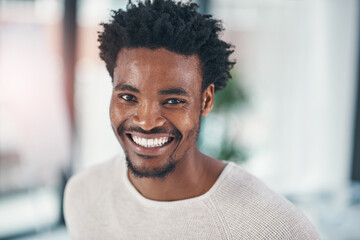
(128, 97)
(174, 101)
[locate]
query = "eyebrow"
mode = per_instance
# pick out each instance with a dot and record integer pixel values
(174, 91)
(126, 87)
(170, 91)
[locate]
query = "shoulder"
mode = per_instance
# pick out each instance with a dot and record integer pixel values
(90, 178)
(85, 190)
(247, 203)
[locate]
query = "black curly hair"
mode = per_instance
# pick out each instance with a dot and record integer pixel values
(175, 26)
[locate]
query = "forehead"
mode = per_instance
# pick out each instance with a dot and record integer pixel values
(157, 68)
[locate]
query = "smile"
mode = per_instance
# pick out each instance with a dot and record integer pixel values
(150, 141)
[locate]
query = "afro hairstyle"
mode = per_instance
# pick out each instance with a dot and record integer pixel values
(175, 26)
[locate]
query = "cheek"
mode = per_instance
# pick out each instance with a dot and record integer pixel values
(116, 118)
(116, 112)
(191, 119)
(185, 121)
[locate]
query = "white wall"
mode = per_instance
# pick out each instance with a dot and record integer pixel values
(298, 63)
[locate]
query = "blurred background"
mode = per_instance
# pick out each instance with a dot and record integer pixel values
(291, 114)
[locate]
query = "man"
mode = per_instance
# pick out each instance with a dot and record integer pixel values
(166, 61)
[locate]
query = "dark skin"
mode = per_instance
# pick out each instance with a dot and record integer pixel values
(157, 95)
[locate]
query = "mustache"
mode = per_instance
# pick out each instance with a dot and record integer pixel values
(121, 129)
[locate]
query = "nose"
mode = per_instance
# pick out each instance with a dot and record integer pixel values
(148, 116)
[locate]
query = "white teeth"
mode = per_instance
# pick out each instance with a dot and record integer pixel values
(143, 142)
(150, 142)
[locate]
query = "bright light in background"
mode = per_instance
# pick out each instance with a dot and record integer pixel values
(298, 65)
(34, 126)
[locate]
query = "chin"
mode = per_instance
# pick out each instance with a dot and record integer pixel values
(157, 172)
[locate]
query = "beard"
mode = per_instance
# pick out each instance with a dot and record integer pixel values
(172, 161)
(158, 173)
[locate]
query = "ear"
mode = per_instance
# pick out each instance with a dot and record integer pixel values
(207, 100)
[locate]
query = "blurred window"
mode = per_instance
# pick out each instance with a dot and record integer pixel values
(34, 123)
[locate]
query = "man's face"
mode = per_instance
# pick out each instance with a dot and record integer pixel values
(155, 108)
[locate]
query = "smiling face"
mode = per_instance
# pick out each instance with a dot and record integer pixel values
(156, 107)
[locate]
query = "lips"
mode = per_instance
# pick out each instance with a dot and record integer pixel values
(149, 144)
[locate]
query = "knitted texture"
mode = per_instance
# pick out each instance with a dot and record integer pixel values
(101, 203)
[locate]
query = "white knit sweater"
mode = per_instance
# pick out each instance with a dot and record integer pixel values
(101, 203)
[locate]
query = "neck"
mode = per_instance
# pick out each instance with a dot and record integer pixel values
(192, 177)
